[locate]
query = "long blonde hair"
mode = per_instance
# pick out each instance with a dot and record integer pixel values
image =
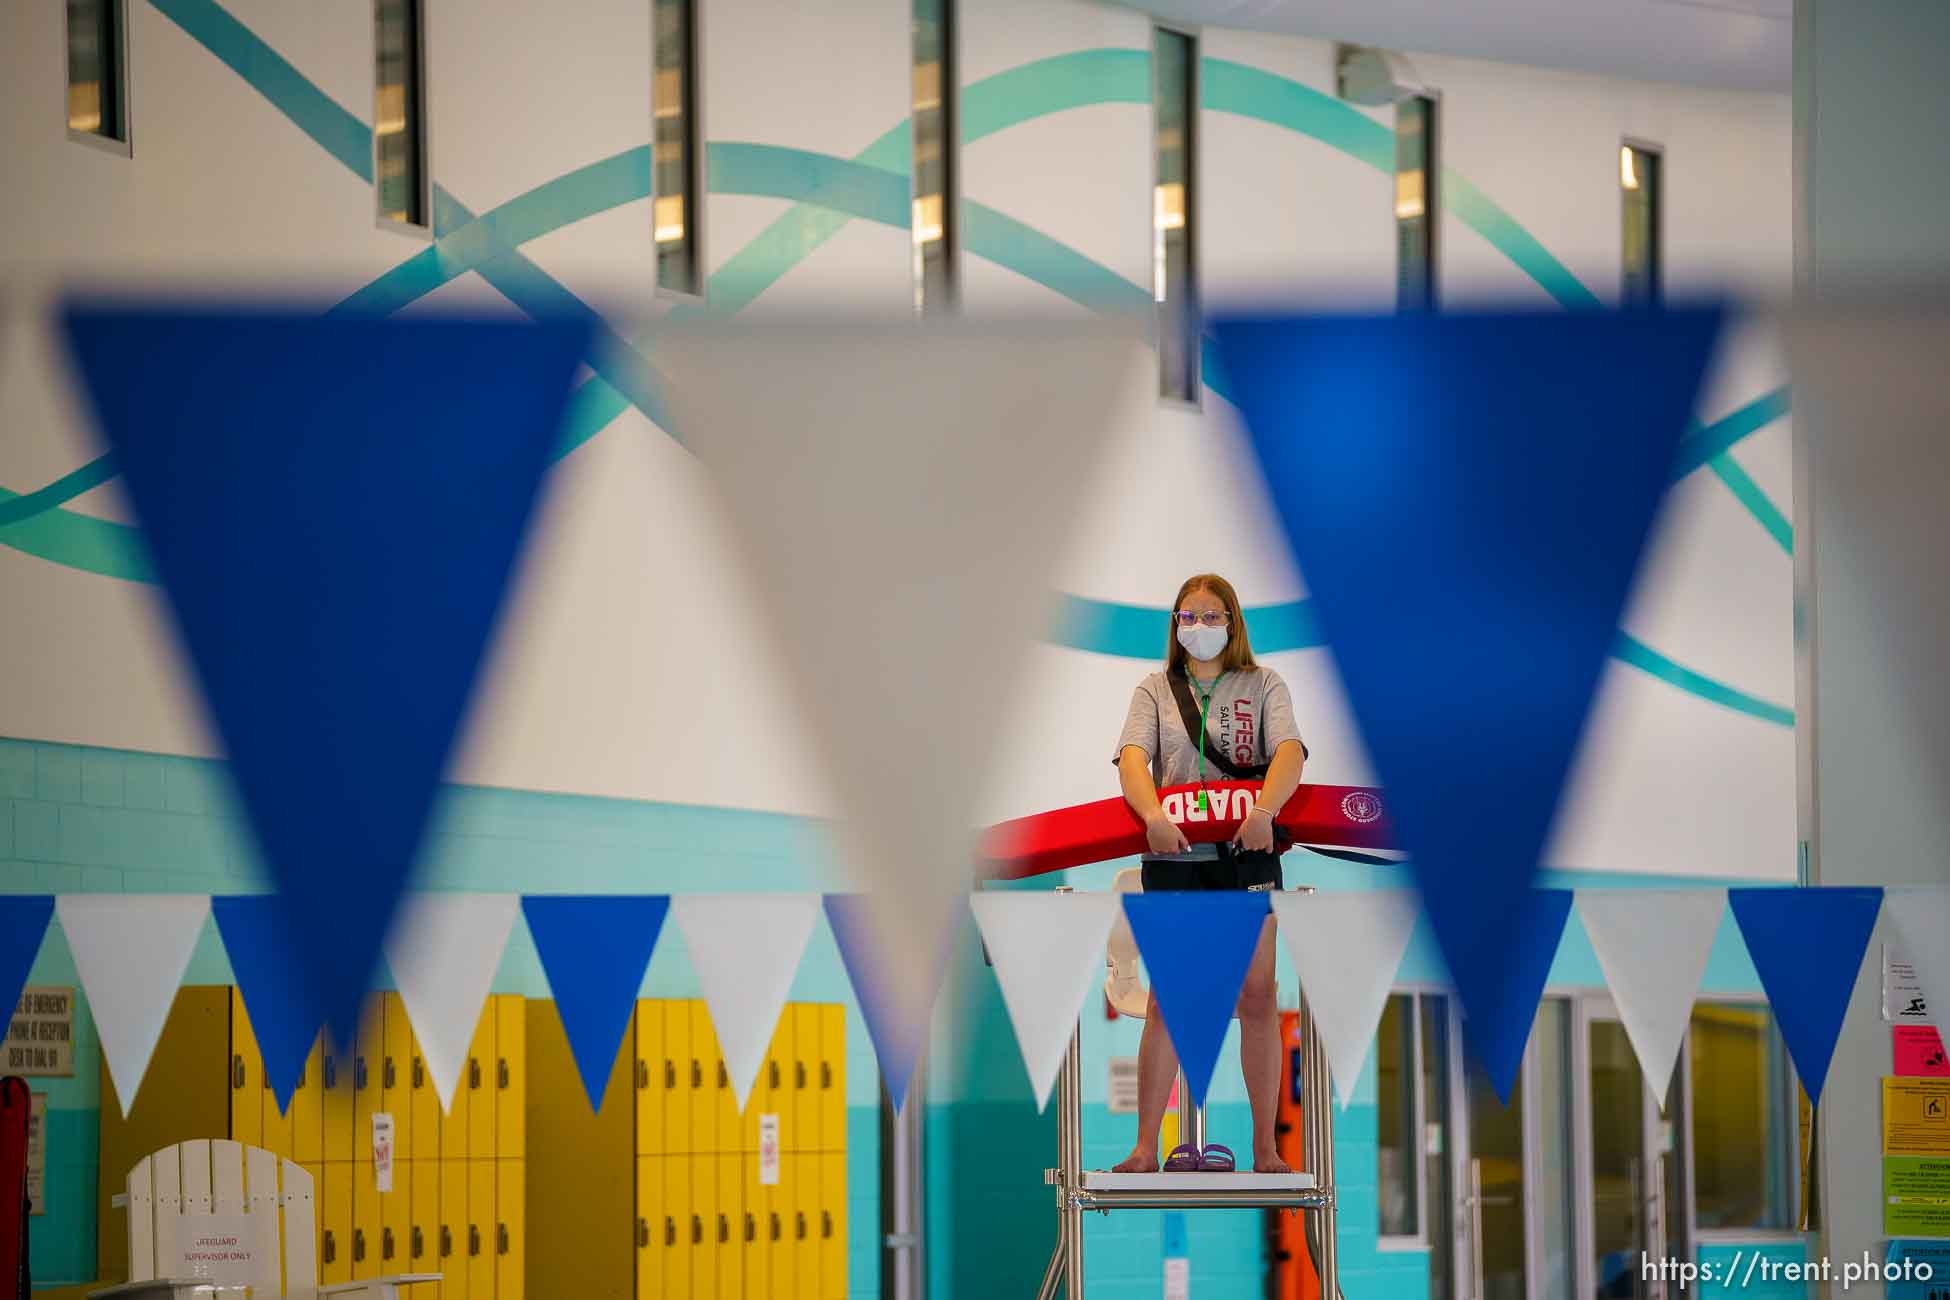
(1239, 650)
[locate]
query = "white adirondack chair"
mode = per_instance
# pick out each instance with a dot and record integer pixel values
(204, 1224)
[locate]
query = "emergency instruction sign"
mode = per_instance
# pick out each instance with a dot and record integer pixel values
(1915, 1197)
(1916, 1117)
(40, 1037)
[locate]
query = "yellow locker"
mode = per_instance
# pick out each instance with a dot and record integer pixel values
(306, 1114)
(367, 1060)
(481, 1209)
(246, 1078)
(653, 1084)
(278, 1125)
(477, 1079)
(808, 1200)
(335, 1100)
(735, 1230)
(804, 1131)
(367, 1223)
(725, 1121)
(780, 1262)
(832, 1226)
(423, 1222)
(775, 1092)
(510, 1203)
(396, 1223)
(423, 1099)
(396, 1074)
(450, 1251)
(680, 1115)
(704, 1226)
(832, 1077)
(334, 1192)
(702, 1139)
(652, 1249)
(679, 1252)
(510, 1075)
(758, 1228)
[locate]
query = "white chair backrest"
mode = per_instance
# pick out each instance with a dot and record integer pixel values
(222, 1210)
(1122, 986)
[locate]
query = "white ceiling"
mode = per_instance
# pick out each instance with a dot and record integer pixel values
(1731, 44)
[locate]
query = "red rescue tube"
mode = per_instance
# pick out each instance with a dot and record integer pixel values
(1341, 816)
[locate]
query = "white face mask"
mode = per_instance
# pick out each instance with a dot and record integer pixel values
(1203, 642)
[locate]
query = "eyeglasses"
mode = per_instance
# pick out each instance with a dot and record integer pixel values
(1210, 617)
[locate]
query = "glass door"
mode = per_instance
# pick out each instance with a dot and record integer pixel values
(1630, 1167)
(1493, 1194)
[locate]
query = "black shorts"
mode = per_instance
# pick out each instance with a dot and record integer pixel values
(1230, 870)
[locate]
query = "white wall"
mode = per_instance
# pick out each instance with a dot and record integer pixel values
(585, 695)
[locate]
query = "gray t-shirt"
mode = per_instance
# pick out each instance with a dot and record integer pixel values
(1250, 716)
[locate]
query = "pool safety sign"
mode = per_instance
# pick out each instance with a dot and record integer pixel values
(40, 1036)
(1902, 992)
(1916, 1117)
(1916, 1197)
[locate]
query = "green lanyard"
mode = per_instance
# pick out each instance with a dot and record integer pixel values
(1198, 741)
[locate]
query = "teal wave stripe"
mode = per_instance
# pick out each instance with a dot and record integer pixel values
(69, 486)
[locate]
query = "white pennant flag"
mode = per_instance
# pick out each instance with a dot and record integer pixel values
(1919, 921)
(745, 949)
(443, 951)
(1653, 945)
(1048, 951)
(1347, 947)
(900, 493)
(131, 951)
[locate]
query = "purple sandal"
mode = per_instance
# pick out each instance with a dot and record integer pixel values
(1184, 1159)
(1216, 1159)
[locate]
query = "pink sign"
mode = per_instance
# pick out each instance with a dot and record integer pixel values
(1919, 1051)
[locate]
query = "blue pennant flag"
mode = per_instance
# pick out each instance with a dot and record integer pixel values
(594, 949)
(284, 1014)
(1807, 945)
(897, 1019)
(1499, 1023)
(1196, 948)
(1467, 497)
(23, 924)
(334, 507)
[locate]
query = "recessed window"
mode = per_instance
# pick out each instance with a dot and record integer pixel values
(1743, 1097)
(1416, 169)
(674, 147)
(399, 114)
(934, 126)
(98, 70)
(1174, 211)
(1638, 187)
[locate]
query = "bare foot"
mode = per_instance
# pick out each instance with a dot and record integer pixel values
(1266, 1160)
(1140, 1161)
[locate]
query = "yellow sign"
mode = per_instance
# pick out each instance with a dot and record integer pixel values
(1916, 1117)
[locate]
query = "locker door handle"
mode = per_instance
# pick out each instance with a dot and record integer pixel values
(446, 1241)
(670, 1231)
(473, 1072)
(358, 1244)
(500, 1238)
(642, 1076)
(697, 1231)
(801, 1217)
(419, 1242)
(331, 1248)
(724, 1229)
(751, 1227)
(387, 1079)
(266, 1081)
(697, 1073)
(385, 1243)
(799, 1074)
(301, 1077)
(826, 1224)
(775, 1072)
(724, 1076)
(473, 1238)
(642, 1232)
(359, 1073)
(419, 1073)
(825, 1074)
(331, 1072)
(670, 1073)
(236, 1071)
(502, 1076)
(775, 1225)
